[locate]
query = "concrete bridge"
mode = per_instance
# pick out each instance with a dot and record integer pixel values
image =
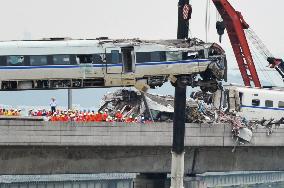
(28, 147)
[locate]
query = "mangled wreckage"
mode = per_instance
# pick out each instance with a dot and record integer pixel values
(157, 107)
(229, 106)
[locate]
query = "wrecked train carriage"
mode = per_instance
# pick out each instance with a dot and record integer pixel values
(66, 63)
(253, 104)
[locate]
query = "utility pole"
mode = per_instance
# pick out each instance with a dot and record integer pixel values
(177, 169)
(69, 98)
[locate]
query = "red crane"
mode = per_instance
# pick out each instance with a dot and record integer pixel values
(235, 24)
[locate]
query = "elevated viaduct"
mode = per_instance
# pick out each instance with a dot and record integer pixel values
(34, 147)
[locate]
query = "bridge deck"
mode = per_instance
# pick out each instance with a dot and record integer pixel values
(28, 147)
(121, 134)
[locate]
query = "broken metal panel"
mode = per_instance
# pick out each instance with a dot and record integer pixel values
(217, 99)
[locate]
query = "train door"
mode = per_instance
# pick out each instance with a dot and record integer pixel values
(128, 59)
(113, 61)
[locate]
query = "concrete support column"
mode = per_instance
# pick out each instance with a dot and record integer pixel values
(69, 98)
(149, 180)
(194, 182)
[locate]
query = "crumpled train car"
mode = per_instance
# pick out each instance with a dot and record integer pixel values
(65, 63)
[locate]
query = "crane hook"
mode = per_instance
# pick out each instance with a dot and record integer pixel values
(220, 26)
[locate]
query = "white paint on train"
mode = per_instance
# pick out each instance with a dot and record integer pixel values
(106, 63)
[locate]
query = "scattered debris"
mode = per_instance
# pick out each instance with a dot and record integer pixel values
(200, 108)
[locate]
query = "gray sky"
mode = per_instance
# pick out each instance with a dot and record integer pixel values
(147, 19)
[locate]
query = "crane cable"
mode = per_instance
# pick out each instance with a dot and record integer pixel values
(256, 41)
(258, 59)
(207, 19)
(262, 69)
(261, 49)
(218, 16)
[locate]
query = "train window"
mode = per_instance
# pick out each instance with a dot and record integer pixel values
(142, 57)
(114, 57)
(158, 56)
(36, 60)
(61, 60)
(3, 60)
(268, 103)
(255, 102)
(85, 59)
(15, 60)
(73, 60)
(173, 56)
(97, 59)
(281, 104)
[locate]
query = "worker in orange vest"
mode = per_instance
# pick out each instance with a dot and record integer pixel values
(118, 116)
(105, 115)
(99, 116)
(129, 119)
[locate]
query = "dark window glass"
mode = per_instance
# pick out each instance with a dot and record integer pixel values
(158, 56)
(15, 60)
(268, 103)
(61, 60)
(97, 59)
(281, 104)
(255, 102)
(142, 57)
(85, 59)
(73, 60)
(36, 60)
(114, 57)
(3, 61)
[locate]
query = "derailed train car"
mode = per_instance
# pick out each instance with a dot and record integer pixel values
(65, 63)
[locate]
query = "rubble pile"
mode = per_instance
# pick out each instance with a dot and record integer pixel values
(159, 108)
(132, 103)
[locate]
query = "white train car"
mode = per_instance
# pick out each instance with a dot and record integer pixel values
(255, 103)
(65, 63)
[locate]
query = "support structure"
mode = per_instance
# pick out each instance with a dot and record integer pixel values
(177, 168)
(184, 14)
(69, 98)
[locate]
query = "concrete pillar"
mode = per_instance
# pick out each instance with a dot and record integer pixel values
(69, 98)
(194, 182)
(149, 180)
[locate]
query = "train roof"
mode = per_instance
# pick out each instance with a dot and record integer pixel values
(65, 42)
(99, 45)
(258, 90)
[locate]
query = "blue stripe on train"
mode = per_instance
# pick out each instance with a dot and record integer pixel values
(98, 65)
(260, 107)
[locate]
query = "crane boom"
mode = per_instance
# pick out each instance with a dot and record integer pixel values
(235, 25)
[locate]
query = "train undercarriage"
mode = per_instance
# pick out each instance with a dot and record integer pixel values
(207, 83)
